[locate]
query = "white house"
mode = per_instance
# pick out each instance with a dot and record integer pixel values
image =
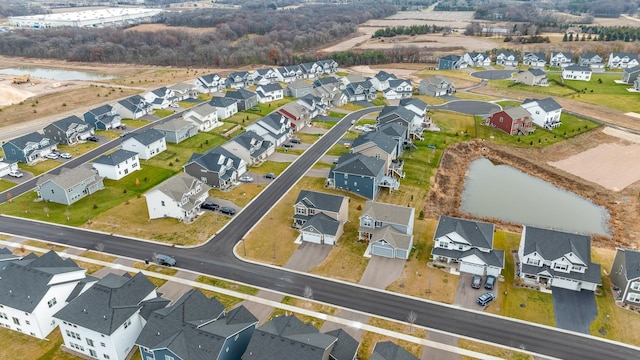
(544, 112)
(34, 288)
(592, 60)
(147, 144)
(536, 59)
(178, 197)
(577, 72)
(250, 147)
(225, 107)
(398, 89)
(184, 91)
(210, 83)
(105, 321)
(380, 81)
(274, 127)
(160, 98)
(556, 258)
(265, 76)
(507, 58)
(270, 92)
(118, 164)
(620, 60)
(477, 59)
(7, 166)
(204, 116)
(467, 243)
(561, 59)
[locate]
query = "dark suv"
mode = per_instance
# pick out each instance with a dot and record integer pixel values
(490, 283)
(227, 210)
(295, 141)
(210, 206)
(166, 260)
(269, 176)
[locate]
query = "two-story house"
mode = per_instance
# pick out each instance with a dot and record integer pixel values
(315, 105)
(265, 76)
(160, 98)
(535, 59)
(225, 107)
(577, 72)
(184, 91)
(68, 131)
(69, 186)
(477, 59)
(250, 147)
(299, 88)
(311, 70)
(239, 80)
(104, 117)
(117, 165)
(105, 321)
(269, 92)
(320, 217)
(246, 99)
(379, 145)
(28, 148)
(561, 59)
(178, 197)
(196, 327)
(398, 89)
(514, 120)
(630, 74)
(204, 116)
(288, 74)
(298, 116)
(361, 91)
(622, 60)
(218, 167)
(507, 58)
(468, 244)
(34, 288)
(380, 81)
(452, 62)
(147, 144)
(388, 229)
(625, 274)
(557, 258)
(362, 175)
(436, 86)
(388, 350)
(397, 131)
(545, 113)
(210, 83)
(532, 77)
(400, 114)
(133, 107)
(176, 130)
(329, 66)
(6, 166)
(274, 127)
(592, 60)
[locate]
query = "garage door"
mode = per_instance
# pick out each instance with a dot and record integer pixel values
(493, 271)
(311, 237)
(381, 251)
(472, 268)
(329, 240)
(565, 284)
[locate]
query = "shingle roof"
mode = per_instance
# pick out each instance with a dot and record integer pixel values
(146, 138)
(22, 141)
(553, 244)
(68, 177)
(516, 112)
(346, 348)
(101, 110)
(203, 109)
(393, 237)
(383, 76)
(299, 83)
(177, 186)
(181, 86)
(394, 129)
(536, 72)
(359, 164)
(493, 258)
(577, 68)
(632, 69)
(476, 233)
(222, 102)
(389, 351)
(173, 125)
(240, 94)
(421, 105)
(538, 55)
(270, 87)
(632, 263)
(69, 121)
(397, 82)
(381, 140)
(451, 57)
(322, 223)
(400, 112)
(547, 104)
(116, 157)
(388, 213)
(624, 54)
(248, 139)
(321, 201)
(6, 255)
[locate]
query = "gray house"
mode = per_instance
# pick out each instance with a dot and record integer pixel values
(133, 107)
(390, 351)
(176, 130)
(592, 60)
(68, 131)
(436, 86)
(299, 88)
(196, 327)
(387, 228)
(28, 148)
(320, 217)
(239, 80)
(532, 77)
(218, 167)
(246, 99)
(250, 147)
(625, 274)
(69, 186)
(381, 146)
(104, 117)
(630, 74)
(360, 174)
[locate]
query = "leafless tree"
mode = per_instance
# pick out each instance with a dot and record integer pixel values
(411, 319)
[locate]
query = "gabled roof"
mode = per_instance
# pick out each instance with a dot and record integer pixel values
(632, 263)
(577, 68)
(390, 351)
(240, 94)
(132, 102)
(393, 129)
(566, 54)
(101, 110)
(553, 244)
(421, 105)
(537, 55)
(397, 82)
(222, 102)
(273, 121)
(516, 112)
(299, 84)
(68, 177)
(22, 141)
(209, 78)
(624, 54)
(160, 92)
(451, 57)
(388, 213)
(322, 223)
(536, 72)
(173, 125)
(7, 255)
(24, 283)
(242, 74)
(381, 140)
(248, 139)
(632, 69)
(214, 159)
(359, 164)
(177, 186)
(396, 112)
(116, 157)
(435, 80)
(106, 305)
(329, 80)
(264, 71)
(589, 55)
(384, 76)
(270, 87)
(320, 201)
(507, 53)
(181, 87)
(547, 104)
(203, 109)
(346, 348)
(146, 138)
(393, 237)
(69, 122)
(475, 233)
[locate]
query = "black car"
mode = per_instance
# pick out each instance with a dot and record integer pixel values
(269, 176)
(490, 283)
(210, 206)
(295, 141)
(287, 145)
(93, 138)
(227, 210)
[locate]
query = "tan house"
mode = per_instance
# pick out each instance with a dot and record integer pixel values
(320, 217)
(532, 77)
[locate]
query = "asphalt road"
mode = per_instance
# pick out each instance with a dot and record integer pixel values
(216, 258)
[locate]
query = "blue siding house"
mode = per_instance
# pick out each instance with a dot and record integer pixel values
(360, 174)
(28, 148)
(451, 62)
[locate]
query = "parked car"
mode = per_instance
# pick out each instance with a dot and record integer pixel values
(246, 178)
(166, 260)
(16, 174)
(295, 141)
(174, 105)
(476, 282)
(93, 138)
(227, 210)
(269, 176)
(210, 206)
(124, 133)
(336, 160)
(490, 282)
(287, 145)
(52, 156)
(65, 155)
(485, 298)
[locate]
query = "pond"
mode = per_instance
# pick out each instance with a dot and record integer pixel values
(508, 194)
(55, 74)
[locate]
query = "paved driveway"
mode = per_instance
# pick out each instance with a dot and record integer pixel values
(308, 255)
(174, 290)
(466, 296)
(471, 107)
(493, 74)
(381, 272)
(574, 310)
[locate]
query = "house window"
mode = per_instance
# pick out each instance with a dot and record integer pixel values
(16, 321)
(366, 222)
(27, 322)
(167, 357)
(559, 266)
(103, 344)
(52, 302)
(534, 262)
(4, 316)
(127, 323)
(378, 224)
(106, 356)
(89, 342)
(93, 353)
(162, 203)
(444, 244)
(633, 297)
(635, 285)
(301, 211)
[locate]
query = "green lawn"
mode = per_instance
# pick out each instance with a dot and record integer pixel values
(6, 184)
(41, 167)
(472, 96)
(505, 86)
(243, 118)
(228, 301)
(603, 91)
(336, 114)
(266, 109)
(509, 103)
(187, 104)
(132, 124)
(270, 167)
(177, 155)
(162, 113)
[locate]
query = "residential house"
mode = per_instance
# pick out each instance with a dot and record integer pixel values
(178, 197)
(621, 60)
(246, 99)
(561, 59)
(210, 83)
(592, 60)
(34, 288)
(6, 257)
(387, 228)
(625, 274)
(68, 131)
(545, 113)
(390, 351)
(104, 117)
(239, 80)
(71, 185)
(320, 217)
(161, 98)
(184, 91)
(325, 81)
(217, 168)
(361, 91)
(630, 74)
(636, 84)
(397, 131)
(469, 244)
(329, 66)
(398, 89)
(577, 72)
(176, 130)
(361, 174)
(274, 128)
(532, 77)
(379, 145)
(133, 107)
(415, 105)
(298, 115)
(7, 166)
(311, 70)
(452, 62)
(250, 147)
(535, 59)
(196, 327)
(514, 120)
(329, 90)
(225, 107)
(204, 116)
(400, 114)
(265, 76)
(380, 81)
(316, 105)
(436, 86)
(288, 74)
(477, 59)
(299, 88)
(555, 258)
(28, 148)
(287, 338)
(105, 321)
(117, 165)
(269, 92)
(507, 58)
(147, 144)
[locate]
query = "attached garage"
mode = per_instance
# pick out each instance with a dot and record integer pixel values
(402, 254)
(475, 269)
(381, 248)
(311, 237)
(565, 283)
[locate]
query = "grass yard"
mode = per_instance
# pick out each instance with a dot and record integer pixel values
(229, 302)
(309, 305)
(78, 149)
(228, 285)
(336, 114)
(471, 96)
(177, 155)
(308, 138)
(349, 107)
(156, 281)
(187, 104)
(369, 339)
(155, 268)
(291, 151)
(163, 113)
(41, 167)
(239, 195)
(89, 267)
(431, 100)
(269, 167)
(461, 79)
(134, 123)
(268, 108)
(491, 350)
(98, 256)
(504, 86)
(604, 91)
(110, 134)
(243, 118)
(327, 125)
(509, 103)
(44, 245)
(224, 128)
(18, 345)
(6, 184)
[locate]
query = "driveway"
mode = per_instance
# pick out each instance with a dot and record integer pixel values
(313, 130)
(574, 310)
(493, 74)
(437, 354)
(260, 310)
(382, 271)
(466, 296)
(281, 157)
(354, 331)
(308, 255)
(321, 173)
(174, 290)
(471, 107)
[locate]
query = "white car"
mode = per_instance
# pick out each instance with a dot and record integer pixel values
(52, 156)
(16, 174)
(245, 178)
(65, 155)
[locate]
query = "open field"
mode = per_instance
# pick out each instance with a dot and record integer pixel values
(13, 343)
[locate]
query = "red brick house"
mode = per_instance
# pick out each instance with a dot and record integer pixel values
(515, 120)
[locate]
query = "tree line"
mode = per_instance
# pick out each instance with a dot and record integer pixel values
(605, 33)
(407, 30)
